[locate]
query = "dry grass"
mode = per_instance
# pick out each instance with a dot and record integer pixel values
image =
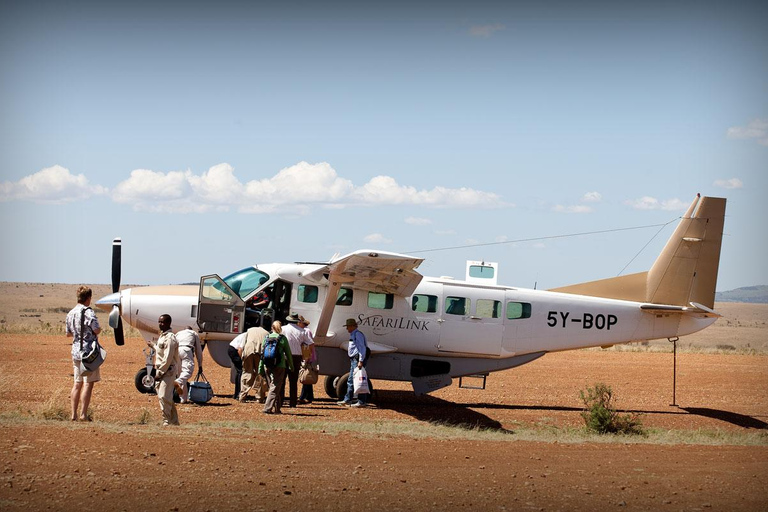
(51, 409)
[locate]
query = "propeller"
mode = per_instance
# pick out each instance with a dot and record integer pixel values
(114, 316)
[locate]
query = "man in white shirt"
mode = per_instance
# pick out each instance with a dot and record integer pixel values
(190, 350)
(235, 353)
(296, 336)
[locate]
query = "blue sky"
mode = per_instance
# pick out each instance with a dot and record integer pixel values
(211, 136)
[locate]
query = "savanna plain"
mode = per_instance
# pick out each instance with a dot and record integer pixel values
(519, 444)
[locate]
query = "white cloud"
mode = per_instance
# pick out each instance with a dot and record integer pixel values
(592, 197)
(578, 208)
(418, 221)
(756, 129)
(384, 190)
(485, 31)
(731, 183)
(377, 238)
(651, 203)
(54, 185)
(302, 186)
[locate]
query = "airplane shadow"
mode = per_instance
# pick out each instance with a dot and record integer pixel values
(432, 409)
(435, 410)
(740, 420)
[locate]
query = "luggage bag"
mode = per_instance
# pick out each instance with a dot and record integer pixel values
(200, 390)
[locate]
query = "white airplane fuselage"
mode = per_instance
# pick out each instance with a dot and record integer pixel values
(473, 342)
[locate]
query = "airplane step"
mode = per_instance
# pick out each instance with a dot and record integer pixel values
(475, 376)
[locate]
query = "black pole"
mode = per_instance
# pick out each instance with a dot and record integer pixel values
(674, 370)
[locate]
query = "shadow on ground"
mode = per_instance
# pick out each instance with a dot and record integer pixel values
(740, 420)
(432, 409)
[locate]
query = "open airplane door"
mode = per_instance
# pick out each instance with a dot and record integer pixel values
(219, 308)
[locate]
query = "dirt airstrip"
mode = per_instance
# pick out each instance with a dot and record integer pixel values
(517, 445)
(710, 453)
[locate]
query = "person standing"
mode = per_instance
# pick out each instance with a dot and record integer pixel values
(358, 358)
(295, 336)
(309, 358)
(167, 366)
(251, 356)
(235, 353)
(276, 374)
(190, 350)
(82, 315)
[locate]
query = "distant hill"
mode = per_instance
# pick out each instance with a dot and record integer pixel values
(753, 294)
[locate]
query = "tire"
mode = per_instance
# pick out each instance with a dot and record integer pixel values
(341, 386)
(147, 384)
(330, 388)
(144, 383)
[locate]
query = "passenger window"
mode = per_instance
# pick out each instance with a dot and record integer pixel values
(486, 308)
(424, 303)
(307, 293)
(344, 297)
(456, 305)
(380, 300)
(517, 310)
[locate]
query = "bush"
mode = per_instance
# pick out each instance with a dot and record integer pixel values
(600, 416)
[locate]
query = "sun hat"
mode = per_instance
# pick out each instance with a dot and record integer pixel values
(292, 318)
(350, 321)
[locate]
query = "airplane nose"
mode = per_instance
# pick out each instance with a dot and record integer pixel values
(106, 303)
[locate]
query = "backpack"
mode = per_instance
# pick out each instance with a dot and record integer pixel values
(270, 351)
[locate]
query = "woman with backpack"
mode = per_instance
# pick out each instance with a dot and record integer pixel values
(275, 356)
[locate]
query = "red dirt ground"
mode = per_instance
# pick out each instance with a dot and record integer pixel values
(225, 456)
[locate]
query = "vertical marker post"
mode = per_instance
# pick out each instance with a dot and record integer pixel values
(674, 369)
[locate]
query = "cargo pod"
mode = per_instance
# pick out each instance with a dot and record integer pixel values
(219, 308)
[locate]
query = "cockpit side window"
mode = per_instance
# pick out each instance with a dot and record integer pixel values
(244, 282)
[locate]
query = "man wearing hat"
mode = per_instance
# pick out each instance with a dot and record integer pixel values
(358, 358)
(295, 335)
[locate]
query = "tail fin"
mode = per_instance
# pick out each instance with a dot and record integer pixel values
(686, 270)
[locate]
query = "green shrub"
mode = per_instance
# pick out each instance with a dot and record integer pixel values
(600, 416)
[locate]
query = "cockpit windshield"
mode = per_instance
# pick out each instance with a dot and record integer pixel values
(244, 282)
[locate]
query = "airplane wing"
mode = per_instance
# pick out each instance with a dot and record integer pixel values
(376, 271)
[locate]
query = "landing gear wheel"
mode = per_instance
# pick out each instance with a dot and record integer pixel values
(145, 383)
(340, 384)
(330, 386)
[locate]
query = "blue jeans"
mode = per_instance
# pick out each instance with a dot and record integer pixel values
(362, 397)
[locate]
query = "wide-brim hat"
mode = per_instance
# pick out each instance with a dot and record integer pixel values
(292, 318)
(350, 321)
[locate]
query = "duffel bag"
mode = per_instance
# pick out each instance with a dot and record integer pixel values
(200, 390)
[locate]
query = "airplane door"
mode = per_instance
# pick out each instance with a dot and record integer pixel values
(471, 320)
(219, 308)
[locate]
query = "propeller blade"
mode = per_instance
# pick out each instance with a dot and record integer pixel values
(119, 337)
(117, 246)
(114, 316)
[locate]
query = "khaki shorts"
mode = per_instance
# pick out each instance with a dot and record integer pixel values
(81, 376)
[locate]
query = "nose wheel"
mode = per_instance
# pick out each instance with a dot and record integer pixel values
(145, 383)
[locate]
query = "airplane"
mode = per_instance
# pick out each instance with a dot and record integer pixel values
(427, 330)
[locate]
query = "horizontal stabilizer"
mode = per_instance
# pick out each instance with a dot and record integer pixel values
(695, 309)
